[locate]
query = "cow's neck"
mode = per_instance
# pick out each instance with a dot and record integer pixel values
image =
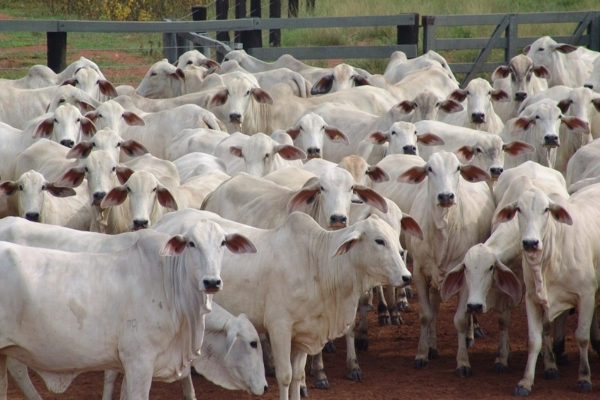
(255, 118)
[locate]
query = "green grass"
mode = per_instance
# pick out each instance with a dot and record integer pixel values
(147, 49)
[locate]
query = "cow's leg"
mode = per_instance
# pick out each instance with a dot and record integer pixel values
(402, 299)
(550, 368)
(582, 335)
(138, 378)
(318, 371)
(3, 377)
(435, 300)
(425, 317)
(461, 323)
(281, 344)
(382, 307)
(370, 300)
(595, 334)
(18, 371)
(354, 372)
(110, 378)
(359, 333)
(188, 388)
(267, 355)
(298, 359)
(501, 362)
(558, 347)
(534, 328)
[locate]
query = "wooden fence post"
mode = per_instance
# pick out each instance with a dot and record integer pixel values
(293, 8)
(408, 34)
(428, 22)
(56, 50)
(222, 8)
(170, 47)
(511, 33)
(240, 12)
(594, 31)
(275, 12)
(199, 13)
(256, 35)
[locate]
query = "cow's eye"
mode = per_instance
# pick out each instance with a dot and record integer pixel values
(189, 62)
(247, 93)
(153, 74)
(254, 344)
(223, 243)
(491, 267)
(546, 210)
(401, 253)
(479, 150)
(43, 187)
(20, 187)
(114, 169)
(393, 132)
(380, 242)
(192, 244)
(154, 190)
(86, 169)
(429, 169)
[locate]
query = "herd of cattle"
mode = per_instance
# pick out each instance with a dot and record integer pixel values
(188, 186)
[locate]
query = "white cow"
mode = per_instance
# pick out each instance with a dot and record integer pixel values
(194, 57)
(401, 138)
(257, 155)
(593, 82)
(150, 339)
(539, 125)
(560, 265)
(37, 77)
(193, 140)
(520, 78)
(192, 164)
(298, 319)
(399, 65)
(162, 81)
(567, 64)
(340, 77)
(428, 105)
(480, 114)
(454, 209)
(92, 82)
(309, 134)
(109, 140)
(41, 201)
(490, 276)
(584, 167)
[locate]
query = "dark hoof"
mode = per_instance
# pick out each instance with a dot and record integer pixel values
(369, 307)
(355, 375)
(397, 321)
(562, 359)
(322, 384)
(402, 305)
(478, 333)
(270, 372)
(419, 363)
(361, 344)
(329, 348)
(551, 373)
(303, 391)
(384, 321)
(409, 292)
(520, 391)
(500, 368)
(596, 346)
(464, 372)
(584, 387)
(433, 354)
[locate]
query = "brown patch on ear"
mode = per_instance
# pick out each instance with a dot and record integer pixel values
(566, 48)
(467, 152)
(348, 244)
(377, 137)
(500, 95)
(289, 153)
(406, 107)
(178, 74)
(116, 196)
(165, 198)
(210, 64)
(453, 282)
(377, 174)
(44, 129)
(526, 49)
(8, 188)
(522, 123)
(107, 88)
(596, 103)
(564, 105)
(360, 80)
(303, 198)
(500, 72)
(430, 139)
(410, 226)
(335, 135)
(239, 244)
(561, 214)
(293, 132)
(123, 173)
(371, 198)
(72, 178)
(133, 119)
(174, 246)
(87, 127)
(517, 147)
(323, 85)
(542, 72)
(92, 115)
(506, 214)
(508, 282)
(459, 95)
(413, 175)
(133, 148)
(261, 96)
(80, 150)
(575, 124)
(57, 191)
(70, 81)
(236, 151)
(219, 98)
(474, 174)
(84, 106)
(451, 106)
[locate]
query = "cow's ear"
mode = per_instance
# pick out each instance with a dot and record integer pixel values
(575, 124)
(335, 135)
(123, 173)
(474, 174)
(290, 153)
(508, 282)
(371, 198)
(232, 336)
(500, 95)
(565, 48)
(323, 85)
(72, 178)
(360, 80)
(81, 150)
(8, 188)
(430, 139)
(506, 214)
(406, 106)
(522, 123)
(451, 106)
(517, 148)
(133, 148)
(236, 151)
(116, 196)
(165, 198)
(293, 132)
(133, 119)
(453, 282)
(377, 137)
(58, 191)
(410, 226)
(262, 96)
(304, 196)
(377, 174)
(239, 244)
(459, 95)
(348, 243)
(44, 129)
(219, 98)
(500, 72)
(542, 72)
(560, 214)
(413, 175)
(107, 88)
(87, 127)
(174, 246)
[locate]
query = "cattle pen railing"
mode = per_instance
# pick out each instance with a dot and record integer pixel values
(179, 36)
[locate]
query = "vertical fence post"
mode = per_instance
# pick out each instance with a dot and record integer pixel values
(408, 34)
(256, 35)
(170, 46)
(310, 6)
(511, 33)
(275, 12)
(293, 8)
(594, 32)
(240, 12)
(428, 22)
(182, 45)
(56, 50)
(222, 8)
(199, 13)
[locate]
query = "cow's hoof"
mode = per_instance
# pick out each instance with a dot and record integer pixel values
(584, 387)
(384, 320)
(500, 368)
(433, 354)
(551, 373)
(562, 359)
(520, 391)
(322, 384)
(329, 348)
(409, 292)
(478, 333)
(397, 321)
(303, 391)
(270, 372)
(361, 344)
(402, 305)
(369, 307)
(470, 342)
(355, 375)
(464, 372)
(420, 363)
